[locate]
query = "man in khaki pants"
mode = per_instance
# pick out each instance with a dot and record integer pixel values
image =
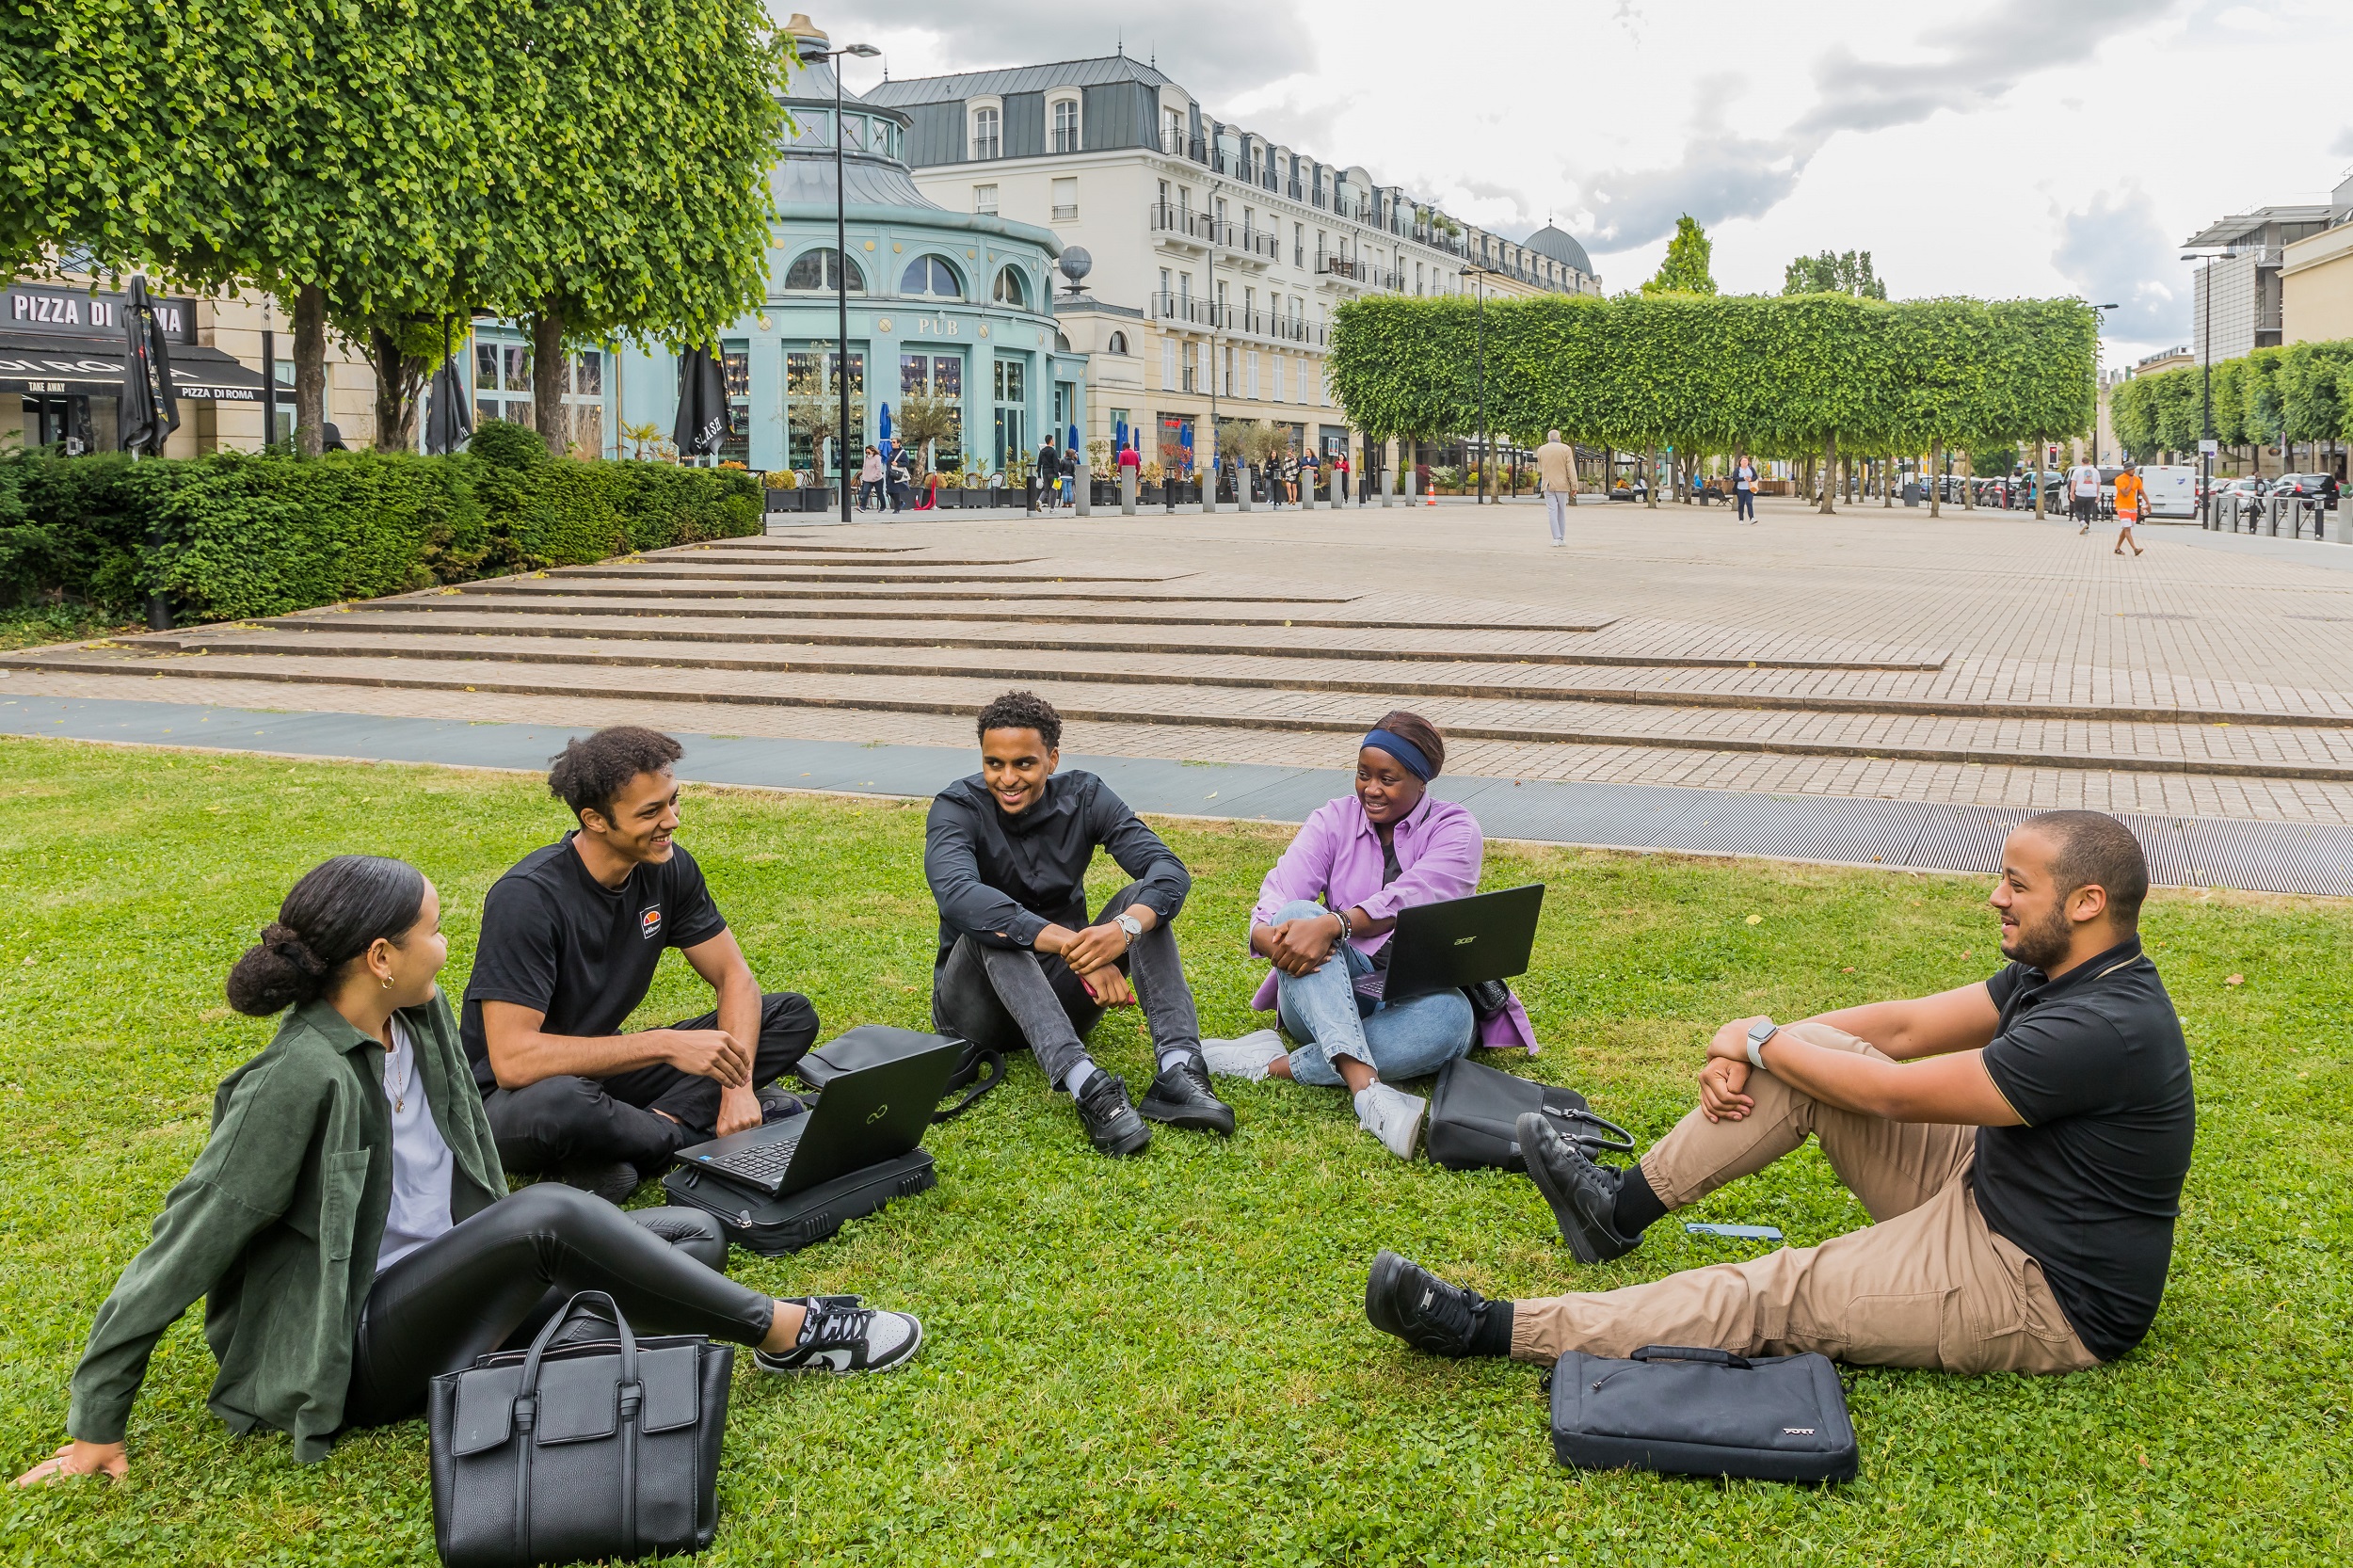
(1556, 470)
(2020, 1143)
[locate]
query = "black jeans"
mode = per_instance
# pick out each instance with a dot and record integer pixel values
(565, 1117)
(1005, 998)
(493, 1281)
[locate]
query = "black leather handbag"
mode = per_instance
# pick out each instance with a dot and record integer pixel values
(978, 1070)
(1474, 1111)
(564, 1453)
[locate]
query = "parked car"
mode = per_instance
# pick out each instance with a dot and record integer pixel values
(2308, 487)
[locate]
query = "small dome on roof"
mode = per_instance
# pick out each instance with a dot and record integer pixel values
(1549, 241)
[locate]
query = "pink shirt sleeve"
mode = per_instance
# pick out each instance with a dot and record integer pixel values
(1446, 867)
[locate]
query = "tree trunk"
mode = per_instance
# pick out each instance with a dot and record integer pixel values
(2034, 477)
(1968, 490)
(309, 359)
(1936, 479)
(1649, 473)
(399, 378)
(547, 378)
(1830, 477)
(1887, 482)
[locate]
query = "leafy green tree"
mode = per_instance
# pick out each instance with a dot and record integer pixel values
(1684, 268)
(629, 181)
(1828, 273)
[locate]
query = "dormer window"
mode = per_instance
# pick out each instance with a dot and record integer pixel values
(986, 141)
(1066, 113)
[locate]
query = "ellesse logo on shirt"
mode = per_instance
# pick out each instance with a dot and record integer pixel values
(649, 922)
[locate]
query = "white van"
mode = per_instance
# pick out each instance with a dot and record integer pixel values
(2172, 490)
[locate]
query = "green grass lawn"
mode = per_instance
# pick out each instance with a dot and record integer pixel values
(1165, 1359)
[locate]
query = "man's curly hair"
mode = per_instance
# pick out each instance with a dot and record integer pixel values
(590, 773)
(1023, 711)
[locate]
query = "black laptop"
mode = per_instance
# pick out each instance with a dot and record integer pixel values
(1463, 941)
(862, 1118)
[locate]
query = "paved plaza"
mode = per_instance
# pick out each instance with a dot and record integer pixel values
(1972, 660)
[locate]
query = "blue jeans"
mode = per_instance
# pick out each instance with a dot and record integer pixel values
(1329, 1017)
(1748, 505)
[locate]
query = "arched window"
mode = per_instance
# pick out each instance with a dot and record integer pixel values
(821, 270)
(1118, 344)
(929, 274)
(984, 141)
(1011, 290)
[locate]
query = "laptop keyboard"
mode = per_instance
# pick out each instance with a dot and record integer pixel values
(764, 1163)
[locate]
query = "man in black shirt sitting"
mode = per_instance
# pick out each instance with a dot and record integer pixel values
(1007, 853)
(2020, 1143)
(569, 940)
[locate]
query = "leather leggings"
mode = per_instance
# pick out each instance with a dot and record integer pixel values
(495, 1279)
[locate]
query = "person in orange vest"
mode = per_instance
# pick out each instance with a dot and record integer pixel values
(2132, 499)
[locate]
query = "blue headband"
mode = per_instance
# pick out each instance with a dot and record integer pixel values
(1405, 751)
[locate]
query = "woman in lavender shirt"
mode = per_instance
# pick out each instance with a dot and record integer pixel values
(1323, 919)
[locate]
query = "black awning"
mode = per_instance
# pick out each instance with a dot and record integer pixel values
(92, 367)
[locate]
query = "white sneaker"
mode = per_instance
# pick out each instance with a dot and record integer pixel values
(1393, 1116)
(1248, 1057)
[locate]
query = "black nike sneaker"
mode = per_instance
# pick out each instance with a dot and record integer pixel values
(846, 1339)
(1181, 1096)
(1111, 1121)
(1408, 1301)
(1583, 1196)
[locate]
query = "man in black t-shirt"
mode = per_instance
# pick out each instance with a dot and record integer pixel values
(571, 938)
(2019, 1144)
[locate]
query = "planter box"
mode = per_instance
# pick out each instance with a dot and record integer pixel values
(784, 501)
(816, 498)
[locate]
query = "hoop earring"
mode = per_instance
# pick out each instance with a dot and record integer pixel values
(388, 983)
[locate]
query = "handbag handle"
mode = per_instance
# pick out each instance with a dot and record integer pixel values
(1615, 1140)
(529, 1387)
(1692, 1352)
(993, 1072)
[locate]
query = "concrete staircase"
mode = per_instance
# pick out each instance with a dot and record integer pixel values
(793, 623)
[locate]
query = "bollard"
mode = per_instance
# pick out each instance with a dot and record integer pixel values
(1242, 490)
(1126, 490)
(1306, 489)
(1082, 492)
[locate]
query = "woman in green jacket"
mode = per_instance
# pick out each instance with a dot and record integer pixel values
(349, 1224)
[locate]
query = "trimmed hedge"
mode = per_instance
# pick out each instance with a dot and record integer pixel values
(235, 535)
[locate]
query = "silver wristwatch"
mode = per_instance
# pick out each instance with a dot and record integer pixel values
(1760, 1032)
(1129, 923)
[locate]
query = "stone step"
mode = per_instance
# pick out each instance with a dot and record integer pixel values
(913, 574)
(884, 628)
(2244, 751)
(1488, 677)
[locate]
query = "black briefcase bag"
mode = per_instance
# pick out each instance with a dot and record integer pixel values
(1473, 1110)
(1686, 1411)
(564, 1453)
(796, 1220)
(978, 1070)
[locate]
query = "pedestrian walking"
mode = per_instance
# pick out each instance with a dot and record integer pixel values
(1048, 473)
(1339, 474)
(2132, 499)
(1556, 476)
(2083, 490)
(1744, 488)
(870, 479)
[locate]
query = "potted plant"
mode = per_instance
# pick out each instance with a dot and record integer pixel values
(781, 488)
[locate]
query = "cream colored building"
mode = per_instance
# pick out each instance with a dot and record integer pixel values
(1217, 254)
(2316, 286)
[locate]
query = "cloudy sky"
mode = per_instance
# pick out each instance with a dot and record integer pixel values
(1997, 148)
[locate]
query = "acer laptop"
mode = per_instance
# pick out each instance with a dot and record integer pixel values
(862, 1118)
(1463, 941)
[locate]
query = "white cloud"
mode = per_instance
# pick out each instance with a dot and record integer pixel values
(2114, 252)
(2247, 19)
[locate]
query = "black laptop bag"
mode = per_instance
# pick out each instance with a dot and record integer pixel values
(1684, 1411)
(752, 1219)
(978, 1070)
(1474, 1107)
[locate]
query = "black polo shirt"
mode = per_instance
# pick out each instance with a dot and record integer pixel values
(2095, 1064)
(556, 940)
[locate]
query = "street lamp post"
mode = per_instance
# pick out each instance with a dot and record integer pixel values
(840, 262)
(1481, 273)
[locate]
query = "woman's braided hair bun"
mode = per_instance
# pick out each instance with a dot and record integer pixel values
(333, 915)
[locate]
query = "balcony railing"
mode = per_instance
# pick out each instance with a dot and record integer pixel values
(1184, 308)
(1180, 144)
(986, 147)
(1066, 139)
(1168, 219)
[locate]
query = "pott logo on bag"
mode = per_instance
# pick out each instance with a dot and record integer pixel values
(649, 923)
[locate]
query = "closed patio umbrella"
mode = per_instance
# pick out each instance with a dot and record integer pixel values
(885, 434)
(449, 423)
(702, 405)
(148, 413)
